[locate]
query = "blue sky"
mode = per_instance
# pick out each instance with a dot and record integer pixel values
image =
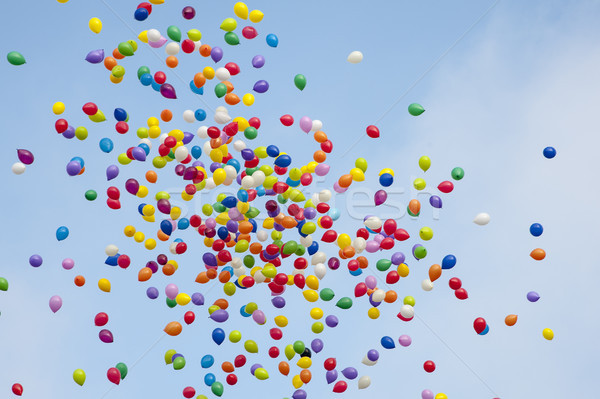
(522, 79)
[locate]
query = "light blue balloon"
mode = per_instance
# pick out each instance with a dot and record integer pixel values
(106, 145)
(146, 79)
(334, 213)
(62, 233)
(209, 379)
(207, 361)
(272, 40)
(155, 86)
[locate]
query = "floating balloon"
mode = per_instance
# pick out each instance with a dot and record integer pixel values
(55, 303)
(482, 219)
(62, 233)
(25, 156)
(355, 57)
(95, 25)
(79, 376)
(549, 152)
(415, 109)
(300, 81)
(15, 58)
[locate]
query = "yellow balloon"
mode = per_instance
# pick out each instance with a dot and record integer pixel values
(219, 176)
(79, 374)
(357, 174)
(98, 116)
(154, 132)
(386, 170)
(208, 72)
(403, 270)
(317, 327)
(150, 243)
(104, 285)
(148, 210)
(142, 192)
(424, 163)
(123, 159)
(316, 313)
(242, 123)
(248, 99)
(175, 213)
(182, 299)
(441, 396)
(58, 108)
(95, 25)
(419, 184)
(251, 346)
(143, 36)
(281, 321)
(235, 336)
(548, 334)
(304, 362)
(241, 10)
(139, 236)
(373, 313)
(312, 282)
(63, 1)
(310, 295)
(157, 1)
(153, 121)
(129, 231)
(194, 35)
(256, 16)
(344, 240)
(269, 271)
(297, 381)
(229, 24)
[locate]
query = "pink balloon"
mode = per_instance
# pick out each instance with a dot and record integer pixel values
(427, 394)
(372, 246)
(338, 189)
(321, 169)
(305, 124)
(159, 43)
(259, 317)
(371, 282)
(55, 303)
(171, 291)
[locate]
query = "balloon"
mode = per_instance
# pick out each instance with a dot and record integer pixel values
(241, 10)
(112, 172)
(305, 124)
(232, 39)
(448, 262)
(15, 58)
(380, 197)
(35, 260)
(174, 33)
(106, 145)
(355, 57)
(18, 168)
(482, 219)
(340, 386)
(538, 254)
(415, 109)
(219, 315)
(168, 91)
(25, 156)
(249, 32)
(316, 345)
(114, 375)
(207, 361)
(101, 319)
(122, 367)
(364, 382)
(73, 168)
(106, 336)
(273, 41)
(427, 394)
(510, 320)
(216, 53)
(548, 334)
(79, 376)
(258, 61)
(350, 373)
(3, 284)
(458, 173)
(435, 201)
(388, 342)
(95, 56)
(218, 335)
(372, 131)
(261, 86)
(300, 81)
(95, 25)
(55, 303)
(188, 12)
(331, 376)
(536, 229)
(405, 340)
(173, 328)
(229, 24)
(533, 296)
(479, 325)
(62, 233)
(549, 152)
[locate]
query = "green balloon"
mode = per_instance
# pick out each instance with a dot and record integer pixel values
(91, 195)
(252, 213)
(15, 58)
(174, 33)
(420, 252)
(415, 109)
(220, 90)
(326, 294)
(458, 173)
(383, 264)
(281, 200)
(179, 363)
(250, 171)
(125, 49)
(250, 133)
(142, 70)
(344, 303)
(3, 284)
(290, 247)
(300, 251)
(299, 347)
(219, 207)
(122, 367)
(289, 352)
(300, 81)
(171, 303)
(232, 39)
(249, 261)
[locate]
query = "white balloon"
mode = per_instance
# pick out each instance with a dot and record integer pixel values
(236, 262)
(373, 222)
(202, 132)
(407, 311)
(318, 257)
(18, 168)
(162, 138)
(222, 118)
(188, 116)
(222, 74)
(304, 241)
(297, 271)
(248, 182)
(147, 142)
(320, 270)
(231, 172)
(259, 278)
(197, 45)
(316, 125)
(239, 145)
(359, 244)
(262, 235)
(111, 250)
(173, 248)
(181, 153)
(427, 285)
(324, 195)
(227, 181)
(315, 199)
(368, 362)
(378, 295)
(355, 57)
(210, 184)
(259, 177)
(172, 48)
(206, 147)
(154, 35)
(239, 271)
(223, 109)
(364, 382)
(482, 219)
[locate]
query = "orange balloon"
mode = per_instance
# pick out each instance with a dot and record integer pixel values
(199, 80)
(391, 296)
(370, 291)
(511, 320)
(435, 271)
(202, 278)
(289, 222)
(256, 248)
(151, 175)
(161, 236)
(362, 262)
(245, 227)
(414, 206)
(173, 328)
(166, 115)
(79, 281)
(341, 254)
(224, 277)
(232, 243)
(320, 137)
(349, 251)
(172, 61)
(205, 50)
(284, 368)
(221, 303)
(229, 85)
(242, 237)
(144, 274)
(538, 254)
(232, 99)
(110, 63)
(320, 156)
(216, 143)
(168, 269)
(211, 273)
(227, 367)
(345, 181)
(81, 171)
(117, 54)
(305, 376)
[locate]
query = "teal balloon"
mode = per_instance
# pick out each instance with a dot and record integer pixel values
(174, 33)
(300, 81)
(232, 39)
(415, 109)
(15, 58)
(62, 233)
(220, 90)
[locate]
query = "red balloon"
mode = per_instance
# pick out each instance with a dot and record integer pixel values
(340, 387)
(401, 235)
(101, 319)
(300, 281)
(329, 236)
(147, 6)
(455, 283)
(113, 204)
(188, 46)
(429, 366)
(239, 361)
(326, 221)
(113, 193)
(287, 120)
(114, 375)
(327, 146)
(372, 131)
(17, 389)
(273, 352)
(248, 281)
(281, 279)
(189, 317)
(180, 248)
(249, 32)
(123, 261)
(329, 363)
(189, 392)
(233, 68)
(160, 77)
(390, 226)
(363, 233)
(90, 109)
(446, 187)
(461, 294)
(276, 333)
(399, 315)
(61, 125)
(122, 127)
(231, 379)
(392, 277)
(254, 122)
(360, 290)
(387, 243)
(479, 324)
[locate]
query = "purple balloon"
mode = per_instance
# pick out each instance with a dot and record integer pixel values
(299, 394)
(258, 61)
(95, 56)
(261, 86)
(188, 12)
(152, 292)
(333, 263)
(332, 321)
(316, 345)
(132, 186)
(105, 336)
(427, 394)
(435, 201)
(398, 258)
(209, 259)
(168, 91)
(25, 156)
(371, 282)
(533, 296)
(216, 54)
(219, 315)
(164, 206)
(198, 299)
(187, 137)
(278, 302)
(55, 303)
(405, 340)
(112, 172)
(73, 168)
(331, 376)
(69, 133)
(373, 355)
(138, 154)
(35, 260)
(350, 373)
(380, 197)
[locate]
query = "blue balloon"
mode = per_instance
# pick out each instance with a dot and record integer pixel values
(106, 145)
(313, 248)
(254, 225)
(166, 227)
(112, 260)
(140, 14)
(536, 229)
(209, 379)
(222, 232)
(272, 40)
(207, 361)
(334, 213)
(61, 233)
(356, 272)
(243, 311)
(120, 114)
(229, 202)
(156, 86)
(80, 160)
(485, 330)
(197, 90)
(183, 223)
(152, 292)
(283, 161)
(386, 179)
(387, 342)
(292, 183)
(549, 152)
(218, 335)
(272, 151)
(448, 262)
(146, 79)
(235, 163)
(200, 114)
(144, 147)
(260, 191)
(196, 151)
(242, 195)
(141, 208)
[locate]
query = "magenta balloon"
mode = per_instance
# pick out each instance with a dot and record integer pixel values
(168, 91)
(105, 336)
(55, 303)
(25, 156)
(305, 124)
(219, 315)
(132, 186)
(112, 172)
(380, 197)
(216, 53)
(164, 206)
